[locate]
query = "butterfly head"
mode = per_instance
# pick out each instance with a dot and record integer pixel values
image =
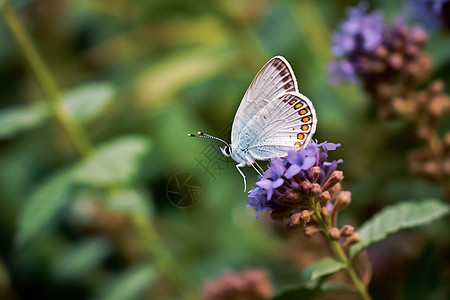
(226, 151)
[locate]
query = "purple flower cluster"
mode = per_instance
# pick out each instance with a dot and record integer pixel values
(286, 187)
(360, 31)
(433, 13)
(365, 47)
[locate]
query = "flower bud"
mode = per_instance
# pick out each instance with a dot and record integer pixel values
(347, 230)
(334, 233)
(315, 171)
(336, 177)
(395, 60)
(310, 230)
(353, 239)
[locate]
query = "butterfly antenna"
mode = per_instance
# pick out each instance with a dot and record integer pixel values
(204, 135)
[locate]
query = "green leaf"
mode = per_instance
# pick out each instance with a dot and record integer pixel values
(305, 292)
(299, 292)
(406, 214)
(45, 202)
(323, 267)
(116, 161)
(129, 285)
(18, 119)
(80, 259)
(88, 101)
(131, 201)
(85, 103)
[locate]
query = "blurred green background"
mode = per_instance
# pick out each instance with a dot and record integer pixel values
(139, 76)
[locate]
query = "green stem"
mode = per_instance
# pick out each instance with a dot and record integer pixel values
(341, 255)
(69, 124)
(165, 262)
(77, 135)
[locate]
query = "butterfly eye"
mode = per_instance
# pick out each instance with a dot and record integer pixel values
(228, 150)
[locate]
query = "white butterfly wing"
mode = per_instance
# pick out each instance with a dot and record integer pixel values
(274, 79)
(286, 123)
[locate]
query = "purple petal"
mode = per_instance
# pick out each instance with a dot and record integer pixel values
(277, 166)
(308, 163)
(292, 171)
(278, 183)
(265, 184)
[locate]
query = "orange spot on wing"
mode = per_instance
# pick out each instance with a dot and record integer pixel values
(292, 102)
(298, 144)
(300, 136)
(298, 105)
(303, 111)
(305, 127)
(305, 119)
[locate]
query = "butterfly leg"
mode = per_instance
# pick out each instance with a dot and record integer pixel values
(243, 176)
(259, 167)
(253, 165)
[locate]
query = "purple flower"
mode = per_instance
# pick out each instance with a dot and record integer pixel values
(257, 199)
(433, 13)
(273, 177)
(298, 160)
(340, 70)
(361, 31)
(290, 182)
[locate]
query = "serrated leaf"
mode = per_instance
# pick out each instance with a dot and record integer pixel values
(323, 267)
(116, 161)
(88, 101)
(45, 202)
(129, 285)
(406, 214)
(80, 259)
(18, 119)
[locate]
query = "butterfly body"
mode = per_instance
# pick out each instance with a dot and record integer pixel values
(273, 117)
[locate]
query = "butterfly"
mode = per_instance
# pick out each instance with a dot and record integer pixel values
(273, 118)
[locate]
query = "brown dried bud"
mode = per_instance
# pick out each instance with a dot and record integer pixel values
(395, 60)
(385, 90)
(381, 51)
(412, 49)
(342, 201)
(439, 105)
(446, 140)
(418, 35)
(324, 212)
(315, 172)
(436, 87)
(249, 284)
(299, 220)
(324, 197)
(310, 230)
(334, 233)
(347, 230)
(305, 215)
(336, 177)
(353, 239)
(292, 197)
(335, 190)
(295, 222)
